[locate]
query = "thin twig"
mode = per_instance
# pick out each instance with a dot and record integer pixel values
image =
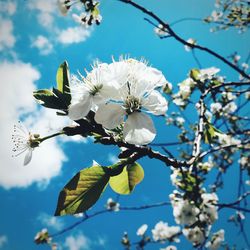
(181, 40)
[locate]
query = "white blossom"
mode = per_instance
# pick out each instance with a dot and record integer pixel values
(163, 232)
(185, 87)
(228, 95)
(87, 19)
(112, 205)
(43, 237)
(180, 121)
(216, 15)
(230, 108)
(225, 139)
(244, 161)
(247, 95)
(208, 208)
(194, 235)
(191, 41)
(64, 6)
(208, 165)
(137, 93)
(184, 212)
(245, 66)
(216, 107)
(216, 240)
(142, 230)
(207, 74)
(24, 141)
(90, 91)
(160, 31)
(179, 101)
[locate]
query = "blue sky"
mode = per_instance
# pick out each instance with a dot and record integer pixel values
(34, 40)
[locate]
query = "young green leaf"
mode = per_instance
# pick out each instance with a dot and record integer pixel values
(125, 182)
(63, 81)
(82, 191)
(194, 74)
(49, 99)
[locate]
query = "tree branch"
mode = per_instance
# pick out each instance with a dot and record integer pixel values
(181, 40)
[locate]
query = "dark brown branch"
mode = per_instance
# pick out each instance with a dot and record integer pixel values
(181, 40)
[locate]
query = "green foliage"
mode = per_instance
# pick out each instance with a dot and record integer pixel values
(57, 98)
(210, 132)
(194, 74)
(63, 81)
(82, 191)
(125, 182)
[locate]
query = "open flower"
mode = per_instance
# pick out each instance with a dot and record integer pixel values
(194, 235)
(216, 240)
(163, 232)
(91, 90)
(137, 93)
(24, 141)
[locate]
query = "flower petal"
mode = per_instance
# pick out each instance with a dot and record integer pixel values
(80, 110)
(139, 129)
(28, 157)
(155, 103)
(110, 115)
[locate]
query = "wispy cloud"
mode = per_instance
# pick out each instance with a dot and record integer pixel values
(73, 35)
(3, 240)
(51, 221)
(77, 242)
(46, 10)
(7, 38)
(42, 43)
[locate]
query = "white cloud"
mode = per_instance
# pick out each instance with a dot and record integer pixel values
(3, 240)
(44, 46)
(7, 39)
(18, 83)
(78, 242)
(8, 7)
(46, 11)
(52, 222)
(73, 35)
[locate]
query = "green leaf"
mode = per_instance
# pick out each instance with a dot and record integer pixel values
(49, 99)
(210, 132)
(194, 74)
(63, 82)
(125, 182)
(82, 191)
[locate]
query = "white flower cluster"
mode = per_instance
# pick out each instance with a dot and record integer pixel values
(216, 240)
(187, 214)
(122, 92)
(163, 232)
(225, 139)
(90, 16)
(188, 85)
